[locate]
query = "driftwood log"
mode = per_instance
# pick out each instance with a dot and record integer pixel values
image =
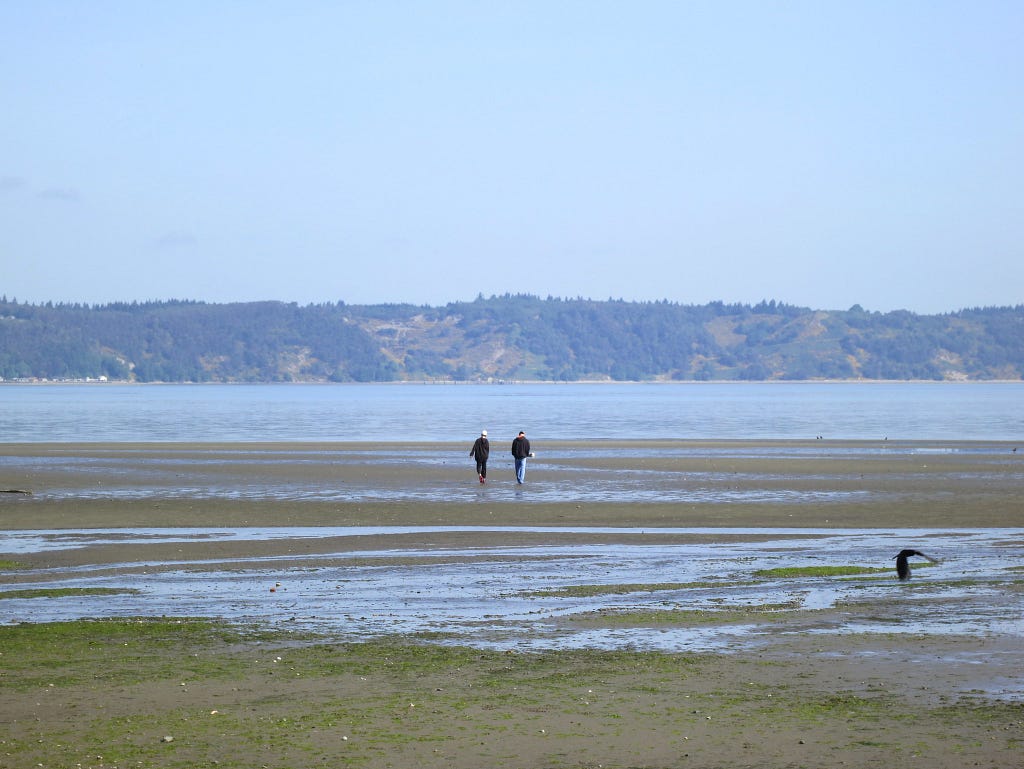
(15, 491)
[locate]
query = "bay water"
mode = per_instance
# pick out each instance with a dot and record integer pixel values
(457, 412)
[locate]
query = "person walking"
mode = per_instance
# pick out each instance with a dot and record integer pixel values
(520, 451)
(480, 451)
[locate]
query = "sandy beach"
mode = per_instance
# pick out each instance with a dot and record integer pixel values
(804, 697)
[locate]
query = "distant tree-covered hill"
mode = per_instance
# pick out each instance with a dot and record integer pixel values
(501, 338)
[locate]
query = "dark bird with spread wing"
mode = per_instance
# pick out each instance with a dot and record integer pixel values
(902, 567)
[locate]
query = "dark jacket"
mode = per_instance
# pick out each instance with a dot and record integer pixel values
(481, 449)
(520, 448)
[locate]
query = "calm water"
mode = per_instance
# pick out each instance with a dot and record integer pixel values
(421, 412)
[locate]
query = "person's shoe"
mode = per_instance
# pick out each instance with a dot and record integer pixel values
(481, 479)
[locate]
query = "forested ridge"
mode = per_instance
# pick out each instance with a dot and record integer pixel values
(502, 338)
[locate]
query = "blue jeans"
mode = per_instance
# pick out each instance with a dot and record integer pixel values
(520, 469)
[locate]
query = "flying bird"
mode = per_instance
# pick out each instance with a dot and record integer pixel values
(902, 567)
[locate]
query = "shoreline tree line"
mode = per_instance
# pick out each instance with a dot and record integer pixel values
(501, 338)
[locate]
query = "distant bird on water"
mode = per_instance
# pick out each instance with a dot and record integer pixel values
(902, 567)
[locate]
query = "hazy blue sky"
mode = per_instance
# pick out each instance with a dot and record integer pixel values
(818, 153)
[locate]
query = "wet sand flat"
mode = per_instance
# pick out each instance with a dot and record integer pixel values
(818, 484)
(812, 689)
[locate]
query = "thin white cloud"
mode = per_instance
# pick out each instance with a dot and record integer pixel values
(66, 194)
(177, 239)
(12, 183)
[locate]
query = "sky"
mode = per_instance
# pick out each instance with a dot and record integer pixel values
(821, 153)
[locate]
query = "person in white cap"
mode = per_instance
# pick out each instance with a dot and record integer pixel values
(480, 451)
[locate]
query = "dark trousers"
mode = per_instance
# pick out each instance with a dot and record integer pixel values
(481, 468)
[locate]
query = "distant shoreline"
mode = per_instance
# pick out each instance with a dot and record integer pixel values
(507, 383)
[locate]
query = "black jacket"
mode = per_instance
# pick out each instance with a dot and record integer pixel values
(481, 449)
(520, 448)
